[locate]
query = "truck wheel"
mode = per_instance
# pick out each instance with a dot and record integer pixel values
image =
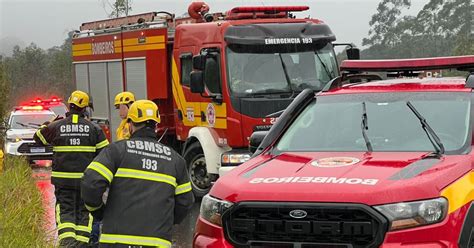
(200, 179)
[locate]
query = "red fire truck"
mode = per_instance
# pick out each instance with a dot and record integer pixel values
(215, 77)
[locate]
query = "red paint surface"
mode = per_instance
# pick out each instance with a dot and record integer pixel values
(236, 186)
(409, 64)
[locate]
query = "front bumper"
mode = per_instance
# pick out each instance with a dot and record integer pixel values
(24, 148)
(442, 235)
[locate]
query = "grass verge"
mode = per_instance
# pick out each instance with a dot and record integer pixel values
(21, 207)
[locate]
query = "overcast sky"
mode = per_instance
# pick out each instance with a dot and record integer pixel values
(46, 22)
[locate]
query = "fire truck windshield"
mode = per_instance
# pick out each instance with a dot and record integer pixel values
(260, 70)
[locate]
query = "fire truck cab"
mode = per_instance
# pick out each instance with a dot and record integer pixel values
(216, 78)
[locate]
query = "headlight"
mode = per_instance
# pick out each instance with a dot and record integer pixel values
(412, 214)
(212, 209)
(234, 158)
(13, 140)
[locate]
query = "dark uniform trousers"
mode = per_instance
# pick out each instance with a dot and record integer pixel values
(76, 141)
(73, 220)
(149, 191)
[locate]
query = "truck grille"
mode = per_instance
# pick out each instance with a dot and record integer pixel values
(269, 224)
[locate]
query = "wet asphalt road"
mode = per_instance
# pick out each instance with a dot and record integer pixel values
(182, 234)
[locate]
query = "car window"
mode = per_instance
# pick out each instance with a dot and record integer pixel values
(32, 121)
(334, 123)
(60, 110)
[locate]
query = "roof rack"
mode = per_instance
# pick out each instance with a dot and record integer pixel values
(352, 69)
(348, 78)
(124, 21)
(461, 63)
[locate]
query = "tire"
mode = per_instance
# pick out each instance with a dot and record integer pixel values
(201, 181)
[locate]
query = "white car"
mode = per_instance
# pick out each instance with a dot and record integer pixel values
(22, 124)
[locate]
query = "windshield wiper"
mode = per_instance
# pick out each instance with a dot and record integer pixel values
(287, 77)
(364, 125)
(25, 125)
(324, 65)
(432, 136)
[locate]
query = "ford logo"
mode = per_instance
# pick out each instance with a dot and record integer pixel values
(298, 214)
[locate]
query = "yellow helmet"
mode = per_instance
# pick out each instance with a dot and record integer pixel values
(143, 110)
(79, 98)
(124, 98)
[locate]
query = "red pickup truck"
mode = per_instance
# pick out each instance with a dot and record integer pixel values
(363, 163)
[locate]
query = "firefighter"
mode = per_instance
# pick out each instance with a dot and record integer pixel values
(76, 141)
(123, 101)
(149, 189)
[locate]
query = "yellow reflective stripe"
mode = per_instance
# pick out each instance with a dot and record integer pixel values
(83, 229)
(92, 209)
(134, 240)
(58, 216)
(102, 144)
(41, 137)
(82, 239)
(67, 174)
(67, 235)
(67, 225)
(75, 119)
(183, 188)
(145, 175)
(73, 226)
(102, 170)
(74, 149)
(460, 192)
(91, 219)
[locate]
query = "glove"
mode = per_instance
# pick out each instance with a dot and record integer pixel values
(98, 214)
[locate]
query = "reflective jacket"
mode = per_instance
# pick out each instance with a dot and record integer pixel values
(149, 190)
(76, 141)
(123, 131)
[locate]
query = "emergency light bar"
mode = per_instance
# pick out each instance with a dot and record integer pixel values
(272, 9)
(53, 100)
(463, 63)
(30, 108)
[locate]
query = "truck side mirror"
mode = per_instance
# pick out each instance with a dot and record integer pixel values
(256, 139)
(199, 62)
(353, 53)
(197, 83)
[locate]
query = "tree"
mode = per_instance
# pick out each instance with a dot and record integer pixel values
(385, 21)
(27, 69)
(118, 8)
(60, 67)
(5, 88)
(34, 72)
(441, 28)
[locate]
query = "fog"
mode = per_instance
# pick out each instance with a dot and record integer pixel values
(47, 22)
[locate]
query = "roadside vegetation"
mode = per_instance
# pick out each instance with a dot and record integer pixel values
(21, 207)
